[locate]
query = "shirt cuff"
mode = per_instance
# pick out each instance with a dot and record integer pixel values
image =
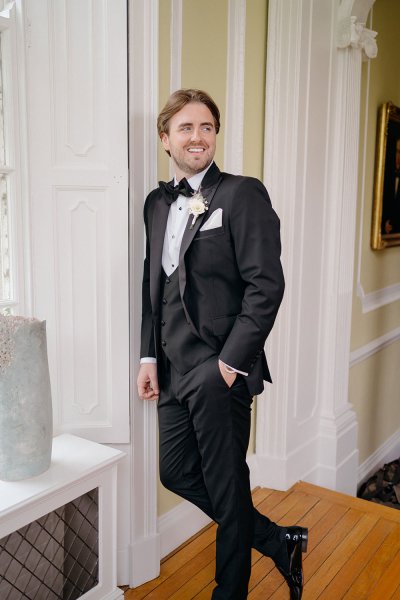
(233, 370)
(148, 359)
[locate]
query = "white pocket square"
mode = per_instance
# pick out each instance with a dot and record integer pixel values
(213, 221)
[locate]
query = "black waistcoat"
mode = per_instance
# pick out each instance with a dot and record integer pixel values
(181, 346)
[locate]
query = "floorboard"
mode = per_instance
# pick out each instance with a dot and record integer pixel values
(353, 552)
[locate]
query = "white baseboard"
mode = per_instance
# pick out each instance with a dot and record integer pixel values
(252, 464)
(329, 459)
(388, 451)
(281, 473)
(144, 560)
(123, 566)
(178, 525)
(116, 594)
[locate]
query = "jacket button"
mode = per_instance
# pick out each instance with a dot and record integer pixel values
(164, 301)
(163, 343)
(162, 323)
(167, 280)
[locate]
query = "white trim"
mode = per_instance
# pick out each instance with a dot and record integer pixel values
(234, 118)
(179, 524)
(144, 558)
(143, 108)
(116, 594)
(388, 451)
(15, 110)
(26, 245)
(176, 45)
(375, 346)
(378, 298)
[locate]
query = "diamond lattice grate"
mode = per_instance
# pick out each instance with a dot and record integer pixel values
(55, 557)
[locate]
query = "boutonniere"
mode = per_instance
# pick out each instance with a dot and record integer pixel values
(197, 206)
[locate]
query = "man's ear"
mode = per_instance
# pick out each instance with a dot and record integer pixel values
(165, 141)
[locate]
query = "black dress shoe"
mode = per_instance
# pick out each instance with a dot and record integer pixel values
(296, 542)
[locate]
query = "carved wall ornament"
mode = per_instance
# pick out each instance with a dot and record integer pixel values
(355, 34)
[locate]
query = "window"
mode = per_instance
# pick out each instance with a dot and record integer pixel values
(11, 252)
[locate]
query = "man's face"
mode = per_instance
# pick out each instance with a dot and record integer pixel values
(191, 139)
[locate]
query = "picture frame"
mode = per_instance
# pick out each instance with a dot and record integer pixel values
(385, 231)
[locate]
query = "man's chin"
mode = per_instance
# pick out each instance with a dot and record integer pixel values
(197, 166)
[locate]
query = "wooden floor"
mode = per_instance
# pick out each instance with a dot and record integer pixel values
(353, 552)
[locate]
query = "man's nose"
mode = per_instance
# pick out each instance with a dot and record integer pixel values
(196, 134)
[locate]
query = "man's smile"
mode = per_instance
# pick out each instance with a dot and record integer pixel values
(196, 150)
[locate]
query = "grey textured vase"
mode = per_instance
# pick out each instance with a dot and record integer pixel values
(26, 423)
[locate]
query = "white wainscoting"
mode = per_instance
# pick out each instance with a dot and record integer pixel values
(373, 300)
(375, 346)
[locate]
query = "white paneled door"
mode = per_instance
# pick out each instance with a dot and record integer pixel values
(76, 56)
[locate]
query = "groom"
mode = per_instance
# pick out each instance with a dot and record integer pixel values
(212, 286)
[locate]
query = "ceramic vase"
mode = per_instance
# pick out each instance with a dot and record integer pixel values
(26, 423)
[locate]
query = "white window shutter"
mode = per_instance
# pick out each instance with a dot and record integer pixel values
(77, 118)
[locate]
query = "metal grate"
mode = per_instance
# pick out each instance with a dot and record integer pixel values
(55, 557)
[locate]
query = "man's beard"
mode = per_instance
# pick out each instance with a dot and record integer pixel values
(188, 168)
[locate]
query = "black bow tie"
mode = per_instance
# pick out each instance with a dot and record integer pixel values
(172, 192)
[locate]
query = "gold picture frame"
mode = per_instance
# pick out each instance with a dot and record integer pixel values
(385, 230)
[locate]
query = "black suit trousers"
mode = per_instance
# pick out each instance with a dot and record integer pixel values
(204, 434)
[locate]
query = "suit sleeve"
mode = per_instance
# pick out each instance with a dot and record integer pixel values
(255, 231)
(147, 346)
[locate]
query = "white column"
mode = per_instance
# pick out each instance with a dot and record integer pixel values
(234, 117)
(306, 428)
(143, 85)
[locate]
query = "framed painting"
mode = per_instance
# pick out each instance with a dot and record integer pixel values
(386, 203)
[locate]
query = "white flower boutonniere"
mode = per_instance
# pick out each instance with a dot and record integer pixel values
(197, 206)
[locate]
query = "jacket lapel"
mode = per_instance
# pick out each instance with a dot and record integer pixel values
(209, 186)
(158, 226)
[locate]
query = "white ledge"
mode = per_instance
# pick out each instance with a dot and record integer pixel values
(73, 459)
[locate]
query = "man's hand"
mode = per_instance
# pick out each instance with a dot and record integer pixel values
(147, 382)
(229, 377)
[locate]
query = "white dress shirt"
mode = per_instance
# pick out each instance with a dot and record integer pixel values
(176, 224)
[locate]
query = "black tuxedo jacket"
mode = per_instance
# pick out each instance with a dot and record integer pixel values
(230, 277)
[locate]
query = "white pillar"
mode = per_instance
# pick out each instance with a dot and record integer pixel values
(143, 86)
(306, 428)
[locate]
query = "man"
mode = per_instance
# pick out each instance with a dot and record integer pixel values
(212, 286)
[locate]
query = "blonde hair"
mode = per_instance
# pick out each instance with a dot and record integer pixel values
(178, 100)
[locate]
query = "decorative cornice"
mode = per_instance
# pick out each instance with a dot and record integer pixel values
(352, 33)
